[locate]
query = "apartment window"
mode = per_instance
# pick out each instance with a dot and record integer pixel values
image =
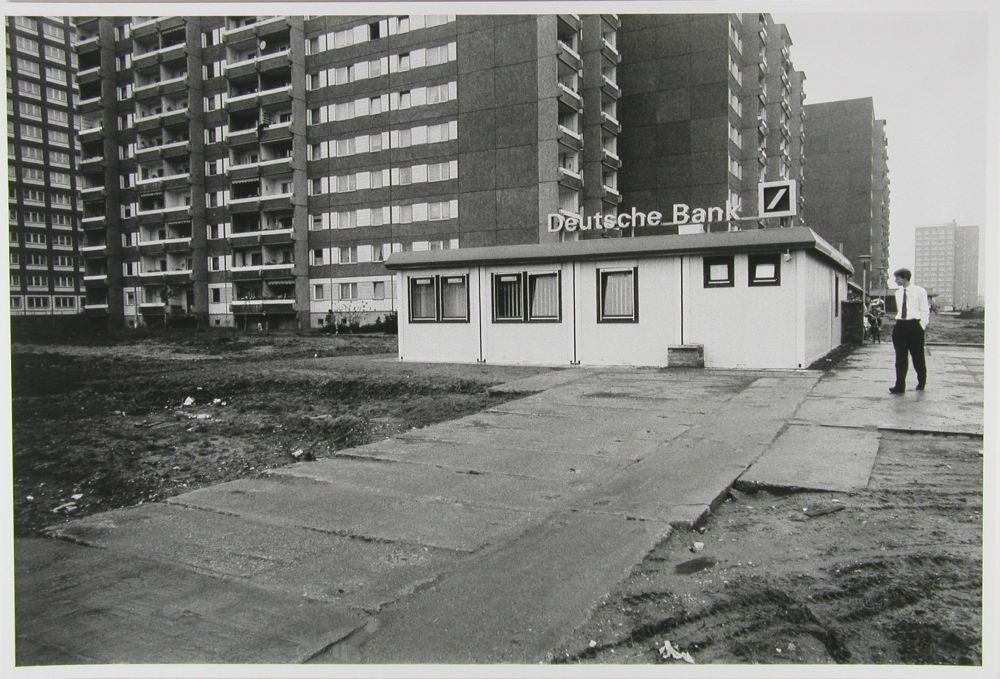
(27, 45)
(53, 31)
(454, 298)
(439, 210)
(437, 55)
(59, 158)
(61, 220)
(25, 67)
(26, 23)
(404, 62)
(347, 183)
(718, 272)
(216, 295)
(319, 291)
(29, 89)
(437, 93)
(618, 292)
(404, 100)
(58, 138)
(405, 176)
(65, 302)
(55, 74)
(30, 131)
(423, 300)
(57, 117)
(438, 172)
(32, 174)
(31, 154)
(375, 143)
(59, 179)
(38, 302)
(764, 269)
(215, 263)
(15, 302)
(507, 298)
(378, 290)
(56, 54)
(31, 110)
(375, 106)
(349, 255)
(374, 32)
(348, 291)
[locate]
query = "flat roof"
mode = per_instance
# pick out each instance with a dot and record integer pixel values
(728, 242)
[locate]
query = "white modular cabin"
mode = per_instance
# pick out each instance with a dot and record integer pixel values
(761, 299)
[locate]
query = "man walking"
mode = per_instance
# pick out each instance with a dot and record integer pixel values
(912, 316)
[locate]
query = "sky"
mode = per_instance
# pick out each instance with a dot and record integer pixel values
(927, 74)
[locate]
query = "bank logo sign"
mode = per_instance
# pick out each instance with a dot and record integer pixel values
(777, 199)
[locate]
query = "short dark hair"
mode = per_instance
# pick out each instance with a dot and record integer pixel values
(903, 273)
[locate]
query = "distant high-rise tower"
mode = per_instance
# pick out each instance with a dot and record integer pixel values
(45, 271)
(947, 264)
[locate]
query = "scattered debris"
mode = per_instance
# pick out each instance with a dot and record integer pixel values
(668, 652)
(187, 402)
(697, 547)
(67, 506)
(593, 644)
(695, 565)
(303, 455)
(820, 511)
(76, 496)
(29, 498)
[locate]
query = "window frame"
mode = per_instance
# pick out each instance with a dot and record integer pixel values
(602, 276)
(763, 258)
(729, 261)
(438, 296)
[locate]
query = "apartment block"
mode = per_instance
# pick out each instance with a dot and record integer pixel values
(847, 184)
(947, 264)
(44, 216)
(707, 114)
(259, 170)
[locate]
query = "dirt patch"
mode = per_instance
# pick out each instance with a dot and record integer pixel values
(100, 427)
(893, 577)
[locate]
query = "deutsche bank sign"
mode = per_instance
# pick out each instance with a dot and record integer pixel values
(777, 199)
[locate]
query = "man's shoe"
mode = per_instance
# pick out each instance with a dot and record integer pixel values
(920, 387)
(896, 390)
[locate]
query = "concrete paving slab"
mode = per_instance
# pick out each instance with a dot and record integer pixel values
(571, 424)
(479, 488)
(514, 604)
(80, 605)
(293, 561)
(909, 411)
(345, 510)
(816, 458)
(512, 461)
(540, 382)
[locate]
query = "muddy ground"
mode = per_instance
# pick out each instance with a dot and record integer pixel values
(99, 427)
(891, 574)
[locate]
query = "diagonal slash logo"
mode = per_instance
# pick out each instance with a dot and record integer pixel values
(777, 198)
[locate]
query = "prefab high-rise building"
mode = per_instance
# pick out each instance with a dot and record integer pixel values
(44, 219)
(847, 184)
(708, 113)
(250, 170)
(947, 264)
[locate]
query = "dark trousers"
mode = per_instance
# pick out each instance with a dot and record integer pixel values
(908, 341)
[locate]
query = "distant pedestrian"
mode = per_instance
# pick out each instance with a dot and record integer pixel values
(908, 334)
(873, 319)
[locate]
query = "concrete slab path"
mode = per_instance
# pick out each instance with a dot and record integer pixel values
(484, 539)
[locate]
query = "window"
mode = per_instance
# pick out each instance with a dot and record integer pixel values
(437, 93)
(454, 298)
(544, 302)
(349, 255)
(618, 291)
(719, 272)
(55, 54)
(27, 23)
(507, 298)
(423, 300)
(319, 291)
(764, 269)
(25, 67)
(378, 290)
(55, 74)
(317, 257)
(438, 172)
(29, 89)
(440, 210)
(53, 31)
(26, 45)
(348, 291)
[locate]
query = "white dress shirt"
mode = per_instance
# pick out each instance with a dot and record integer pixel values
(917, 306)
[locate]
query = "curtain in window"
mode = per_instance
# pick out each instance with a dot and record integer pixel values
(422, 299)
(454, 301)
(618, 290)
(508, 297)
(544, 296)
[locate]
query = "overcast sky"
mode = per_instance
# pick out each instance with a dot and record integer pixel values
(926, 73)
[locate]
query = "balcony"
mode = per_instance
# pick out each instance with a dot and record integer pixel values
(86, 41)
(609, 194)
(610, 52)
(91, 278)
(610, 123)
(570, 97)
(157, 178)
(93, 249)
(569, 178)
(610, 88)
(572, 22)
(569, 56)
(255, 271)
(570, 138)
(610, 159)
(181, 144)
